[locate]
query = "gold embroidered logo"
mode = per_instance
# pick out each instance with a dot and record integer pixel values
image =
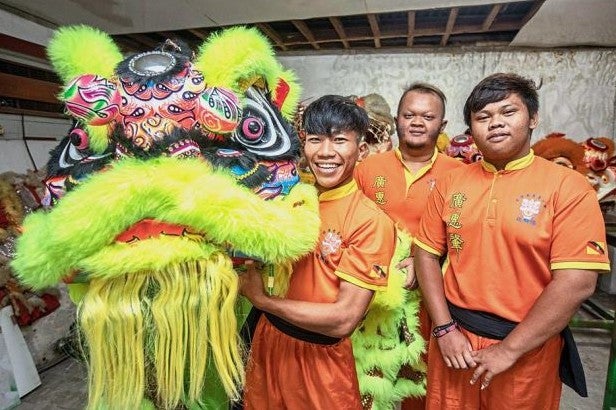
(454, 221)
(456, 242)
(379, 182)
(457, 200)
(379, 198)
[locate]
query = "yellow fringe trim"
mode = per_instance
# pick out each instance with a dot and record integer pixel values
(149, 334)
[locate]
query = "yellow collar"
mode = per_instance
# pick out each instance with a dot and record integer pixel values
(514, 165)
(339, 192)
(399, 156)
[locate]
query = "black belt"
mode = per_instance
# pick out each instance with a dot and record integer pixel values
(492, 326)
(299, 333)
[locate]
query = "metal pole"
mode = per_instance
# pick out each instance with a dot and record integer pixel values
(609, 398)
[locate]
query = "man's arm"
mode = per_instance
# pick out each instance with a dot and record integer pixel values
(338, 319)
(549, 315)
(454, 346)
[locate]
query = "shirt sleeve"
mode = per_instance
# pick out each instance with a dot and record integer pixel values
(370, 247)
(358, 175)
(431, 235)
(579, 240)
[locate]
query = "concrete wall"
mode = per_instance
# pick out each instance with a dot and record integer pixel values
(577, 96)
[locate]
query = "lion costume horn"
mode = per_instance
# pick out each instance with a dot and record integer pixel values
(198, 163)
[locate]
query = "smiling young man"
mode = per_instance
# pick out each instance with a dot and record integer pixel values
(301, 356)
(400, 181)
(524, 239)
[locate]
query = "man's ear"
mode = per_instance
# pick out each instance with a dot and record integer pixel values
(534, 121)
(364, 150)
(443, 125)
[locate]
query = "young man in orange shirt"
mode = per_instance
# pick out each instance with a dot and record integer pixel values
(400, 181)
(524, 239)
(301, 355)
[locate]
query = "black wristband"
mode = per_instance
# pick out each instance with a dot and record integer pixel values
(442, 330)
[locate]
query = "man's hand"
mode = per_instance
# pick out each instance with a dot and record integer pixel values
(456, 350)
(410, 282)
(492, 361)
(251, 286)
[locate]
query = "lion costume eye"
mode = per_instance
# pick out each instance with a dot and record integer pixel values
(262, 130)
(252, 128)
(79, 138)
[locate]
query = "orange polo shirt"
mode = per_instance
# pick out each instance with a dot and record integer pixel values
(506, 231)
(401, 193)
(356, 244)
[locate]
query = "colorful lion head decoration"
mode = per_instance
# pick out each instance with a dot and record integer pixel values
(563, 151)
(601, 168)
(462, 147)
(179, 169)
(592, 158)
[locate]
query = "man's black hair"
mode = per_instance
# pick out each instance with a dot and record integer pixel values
(334, 114)
(496, 88)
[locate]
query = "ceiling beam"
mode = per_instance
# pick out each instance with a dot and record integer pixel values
(428, 32)
(25, 88)
(198, 33)
(303, 28)
(20, 46)
(36, 113)
(143, 39)
(533, 10)
(272, 34)
(451, 21)
(376, 32)
(410, 34)
(340, 30)
(487, 23)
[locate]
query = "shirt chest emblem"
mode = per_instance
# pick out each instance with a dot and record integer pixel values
(330, 243)
(531, 206)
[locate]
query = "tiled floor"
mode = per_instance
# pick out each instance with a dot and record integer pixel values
(64, 385)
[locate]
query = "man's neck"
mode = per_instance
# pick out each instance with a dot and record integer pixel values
(415, 159)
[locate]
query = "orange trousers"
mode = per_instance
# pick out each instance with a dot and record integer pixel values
(287, 373)
(531, 383)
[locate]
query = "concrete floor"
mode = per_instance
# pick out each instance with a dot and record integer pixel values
(64, 387)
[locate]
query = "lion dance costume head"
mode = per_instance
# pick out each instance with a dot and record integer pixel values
(180, 168)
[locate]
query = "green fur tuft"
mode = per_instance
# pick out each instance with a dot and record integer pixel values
(77, 50)
(97, 135)
(380, 354)
(244, 57)
(80, 231)
(233, 56)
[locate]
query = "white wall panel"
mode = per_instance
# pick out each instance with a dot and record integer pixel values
(577, 96)
(13, 152)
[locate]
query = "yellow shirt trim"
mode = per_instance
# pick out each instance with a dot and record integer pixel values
(411, 177)
(339, 192)
(358, 282)
(425, 247)
(514, 165)
(603, 266)
(445, 265)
